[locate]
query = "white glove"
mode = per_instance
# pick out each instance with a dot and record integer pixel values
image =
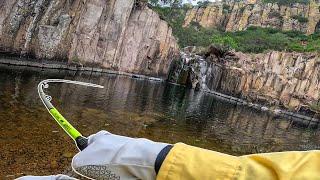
(57, 177)
(111, 156)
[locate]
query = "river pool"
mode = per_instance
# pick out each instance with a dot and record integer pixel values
(32, 143)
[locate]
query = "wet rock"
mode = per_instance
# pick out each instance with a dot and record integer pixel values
(10, 176)
(53, 164)
(68, 154)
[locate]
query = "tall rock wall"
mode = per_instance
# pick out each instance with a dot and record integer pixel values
(122, 35)
(232, 15)
(274, 78)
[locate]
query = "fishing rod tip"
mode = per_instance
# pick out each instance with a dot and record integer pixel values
(99, 86)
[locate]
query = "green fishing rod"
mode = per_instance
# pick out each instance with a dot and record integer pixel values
(80, 140)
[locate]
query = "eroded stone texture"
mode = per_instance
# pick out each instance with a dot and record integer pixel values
(274, 78)
(122, 35)
(237, 16)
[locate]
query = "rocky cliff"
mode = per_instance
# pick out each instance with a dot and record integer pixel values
(276, 78)
(232, 15)
(123, 35)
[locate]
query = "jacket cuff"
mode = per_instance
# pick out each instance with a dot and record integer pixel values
(161, 157)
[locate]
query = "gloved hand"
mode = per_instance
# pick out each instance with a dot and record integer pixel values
(110, 156)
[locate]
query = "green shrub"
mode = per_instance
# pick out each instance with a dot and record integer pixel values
(226, 8)
(296, 46)
(257, 40)
(315, 107)
(295, 34)
(300, 18)
(224, 40)
(75, 59)
(242, 9)
(203, 3)
(195, 24)
(187, 6)
(193, 35)
(275, 14)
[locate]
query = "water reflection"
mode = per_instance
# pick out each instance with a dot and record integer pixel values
(32, 143)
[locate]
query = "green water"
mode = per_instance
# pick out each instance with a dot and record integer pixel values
(132, 107)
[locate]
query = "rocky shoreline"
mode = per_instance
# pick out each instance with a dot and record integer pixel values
(281, 82)
(297, 117)
(309, 120)
(71, 67)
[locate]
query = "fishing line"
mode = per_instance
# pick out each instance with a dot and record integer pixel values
(80, 140)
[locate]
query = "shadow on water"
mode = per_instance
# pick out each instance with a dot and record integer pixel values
(32, 143)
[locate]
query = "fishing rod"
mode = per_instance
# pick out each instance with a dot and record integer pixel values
(81, 141)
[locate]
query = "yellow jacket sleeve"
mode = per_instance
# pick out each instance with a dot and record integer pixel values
(188, 162)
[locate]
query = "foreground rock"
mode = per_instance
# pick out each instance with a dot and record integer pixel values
(122, 35)
(276, 78)
(234, 15)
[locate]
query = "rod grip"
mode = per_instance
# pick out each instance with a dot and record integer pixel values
(82, 142)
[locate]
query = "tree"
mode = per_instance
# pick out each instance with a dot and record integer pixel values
(171, 3)
(224, 40)
(203, 3)
(154, 2)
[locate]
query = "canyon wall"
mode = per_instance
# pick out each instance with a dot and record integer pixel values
(276, 78)
(231, 15)
(122, 35)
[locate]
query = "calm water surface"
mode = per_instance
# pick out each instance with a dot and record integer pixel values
(32, 143)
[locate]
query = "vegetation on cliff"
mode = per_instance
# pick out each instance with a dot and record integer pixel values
(315, 107)
(193, 35)
(286, 2)
(257, 39)
(253, 39)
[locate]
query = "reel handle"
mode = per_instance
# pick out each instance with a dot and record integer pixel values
(81, 142)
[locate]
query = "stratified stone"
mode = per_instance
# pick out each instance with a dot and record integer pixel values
(121, 35)
(291, 79)
(232, 15)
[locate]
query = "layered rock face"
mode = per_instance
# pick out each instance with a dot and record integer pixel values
(236, 16)
(274, 78)
(122, 35)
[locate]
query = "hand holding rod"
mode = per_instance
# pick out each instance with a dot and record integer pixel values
(81, 141)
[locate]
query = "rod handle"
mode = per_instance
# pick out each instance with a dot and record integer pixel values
(81, 142)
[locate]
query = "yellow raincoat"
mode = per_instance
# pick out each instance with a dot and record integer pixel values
(187, 162)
